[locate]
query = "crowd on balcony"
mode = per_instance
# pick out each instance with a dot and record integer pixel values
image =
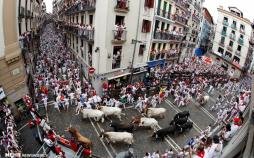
(83, 30)
(122, 4)
(24, 39)
(79, 5)
(168, 35)
(9, 134)
(161, 54)
(119, 32)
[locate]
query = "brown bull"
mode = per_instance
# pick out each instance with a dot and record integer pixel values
(82, 139)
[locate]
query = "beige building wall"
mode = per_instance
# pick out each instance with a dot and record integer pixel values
(12, 72)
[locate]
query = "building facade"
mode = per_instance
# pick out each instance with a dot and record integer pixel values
(112, 38)
(231, 47)
(206, 34)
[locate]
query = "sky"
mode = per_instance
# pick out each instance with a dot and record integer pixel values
(49, 5)
(246, 6)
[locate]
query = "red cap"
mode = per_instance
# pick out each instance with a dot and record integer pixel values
(236, 120)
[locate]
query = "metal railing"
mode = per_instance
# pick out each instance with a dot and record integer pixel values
(167, 36)
(233, 26)
(197, 6)
(225, 23)
(229, 48)
(163, 13)
(232, 36)
(85, 34)
(226, 57)
(238, 53)
(180, 19)
(195, 18)
(181, 3)
(81, 7)
(119, 35)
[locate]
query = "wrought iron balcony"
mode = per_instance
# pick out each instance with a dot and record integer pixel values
(197, 6)
(240, 41)
(180, 19)
(224, 33)
(167, 36)
(81, 7)
(229, 48)
(181, 3)
(163, 13)
(227, 58)
(119, 36)
(232, 36)
(122, 6)
(225, 23)
(238, 53)
(233, 26)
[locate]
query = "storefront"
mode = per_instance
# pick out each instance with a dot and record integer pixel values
(155, 63)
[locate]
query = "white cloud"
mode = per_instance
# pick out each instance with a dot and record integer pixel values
(49, 5)
(244, 5)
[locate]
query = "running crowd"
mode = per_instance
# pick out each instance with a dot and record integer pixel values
(58, 74)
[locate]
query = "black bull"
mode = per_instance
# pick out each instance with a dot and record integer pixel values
(179, 121)
(164, 132)
(122, 127)
(182, 115)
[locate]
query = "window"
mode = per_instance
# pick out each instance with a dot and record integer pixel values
(91, 19)
(149, 3)
(241, 36)
(174, 28)
(171, 46)
(116, 59)
(146, 26)
(239, 48)
(236, 59)
(228, 54)
(233, 32)
(119, 20)
(164, 46)
(220, 50)
(77, 19)
(180, 29)
(225, 19)
(234, 23)
(90, 55)
(242, 27)
(82, 19)
(141, 49)
(176, 46)
(231, 43)
(153, 46)
(222, 40)
(159, 46)
(162, 25)
(224, 29)
(167, 27)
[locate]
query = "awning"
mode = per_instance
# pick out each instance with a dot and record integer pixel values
(156, 62)
(199, 52)
(118, 76)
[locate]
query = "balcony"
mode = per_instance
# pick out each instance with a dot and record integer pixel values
(84, 34)
(232, 36)
(122, 6)
(233, 26)
(240, 41)
(222, 44)
(227, 58)
(223, 33)
(242, 31)
(238, 53)
(180, 19)
(195, 18)
(197, 6)
(230, 48)
(163, 13)
(81, 7)
(119, 36)
(168, 36)
(225, 23)
(181, 3)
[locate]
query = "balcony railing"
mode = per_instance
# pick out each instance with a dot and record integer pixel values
(222, 44)
(195, 18)
(157, 55)
(225, 23)
(232, 36)
(197, 6)
(163, 13)
(238, 53)
(168, 36)
(240, 41)
(119, 36)
(181, 3)
(85, 34)
(233, 26)
(81, 7)
(180, 19)
(224, 33)
(228, 58)
(122, 6)
(229, 48)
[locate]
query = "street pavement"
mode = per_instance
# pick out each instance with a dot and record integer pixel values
(143, 142)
